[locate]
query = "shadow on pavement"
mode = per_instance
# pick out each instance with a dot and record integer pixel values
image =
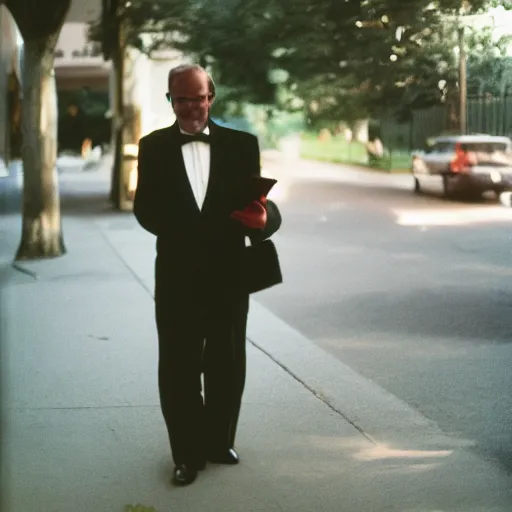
(76, 203)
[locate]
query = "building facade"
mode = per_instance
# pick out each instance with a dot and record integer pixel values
(78, 62)
(81, 72)
(11, 50)
(79, 66)
(146, 86)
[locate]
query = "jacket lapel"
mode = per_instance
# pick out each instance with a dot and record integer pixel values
(215, 166)
(176, 165)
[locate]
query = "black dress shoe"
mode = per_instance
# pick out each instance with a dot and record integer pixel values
(224, 457)
(184, 475)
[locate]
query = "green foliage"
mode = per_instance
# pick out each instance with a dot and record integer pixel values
(331, 59)
(339, 150)
(507, 4)
(139, 508)
(489, 67)
(234, 39)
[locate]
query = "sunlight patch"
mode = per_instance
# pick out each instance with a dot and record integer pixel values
(382, 452)
(459, 217)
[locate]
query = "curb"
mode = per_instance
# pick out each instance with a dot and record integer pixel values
(378, 415)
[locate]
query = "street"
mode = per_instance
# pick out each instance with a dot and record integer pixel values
(376, 372)
(413, 292)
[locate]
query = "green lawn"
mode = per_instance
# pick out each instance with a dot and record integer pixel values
(338, 150)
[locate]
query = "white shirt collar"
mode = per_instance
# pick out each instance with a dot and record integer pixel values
(206, 131)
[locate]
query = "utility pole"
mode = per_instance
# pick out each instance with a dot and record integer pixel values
(463, 82)
(463, 78)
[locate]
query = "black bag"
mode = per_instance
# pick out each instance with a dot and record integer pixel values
(260, 267)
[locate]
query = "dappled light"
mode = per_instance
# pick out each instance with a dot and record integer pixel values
(335, 452)
(385, 452)
(452, 216)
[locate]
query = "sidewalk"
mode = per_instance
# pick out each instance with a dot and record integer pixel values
(83, 430)
(11, 178)
(11, 181)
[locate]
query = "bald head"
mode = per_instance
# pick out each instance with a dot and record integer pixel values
(191, 68)
(191, 94)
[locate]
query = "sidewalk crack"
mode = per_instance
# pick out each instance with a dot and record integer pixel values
(119, 255)
(318, 395)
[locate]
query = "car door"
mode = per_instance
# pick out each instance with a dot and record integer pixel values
(437, 162)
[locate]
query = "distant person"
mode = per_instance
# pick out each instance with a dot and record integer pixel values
(73, 130)
(86, 148)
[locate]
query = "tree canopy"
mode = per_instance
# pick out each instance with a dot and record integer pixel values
(339, 59)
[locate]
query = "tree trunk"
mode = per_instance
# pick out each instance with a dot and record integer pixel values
(118, 62)
(41, 229)
(132, 109)
(117, 128)
(453, 111)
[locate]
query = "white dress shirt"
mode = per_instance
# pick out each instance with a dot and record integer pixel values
(196, 156)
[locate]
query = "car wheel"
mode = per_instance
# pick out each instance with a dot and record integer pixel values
(447, 192)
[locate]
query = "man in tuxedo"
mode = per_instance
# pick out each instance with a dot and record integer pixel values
(190, 179)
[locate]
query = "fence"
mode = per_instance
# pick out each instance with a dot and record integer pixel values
(491, 115)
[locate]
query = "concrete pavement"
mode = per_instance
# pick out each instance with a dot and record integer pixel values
(82, 425)
(11, 181)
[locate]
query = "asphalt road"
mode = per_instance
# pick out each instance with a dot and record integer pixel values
(414, 293)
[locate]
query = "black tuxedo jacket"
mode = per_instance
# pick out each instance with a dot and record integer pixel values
(197, 247)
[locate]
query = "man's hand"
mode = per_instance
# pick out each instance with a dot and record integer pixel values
(253, 216)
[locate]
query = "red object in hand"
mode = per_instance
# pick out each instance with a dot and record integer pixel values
(253, 216)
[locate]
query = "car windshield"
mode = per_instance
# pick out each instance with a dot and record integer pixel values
(444, 147)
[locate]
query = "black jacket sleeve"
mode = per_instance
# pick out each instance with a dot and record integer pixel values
(146, 202)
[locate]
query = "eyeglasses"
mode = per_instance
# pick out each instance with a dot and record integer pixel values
(182, 101)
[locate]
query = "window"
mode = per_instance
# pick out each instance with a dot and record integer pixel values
(489, 153)
(485, 147)
(444, 147)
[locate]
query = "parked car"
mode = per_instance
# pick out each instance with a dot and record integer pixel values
(464, 164)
